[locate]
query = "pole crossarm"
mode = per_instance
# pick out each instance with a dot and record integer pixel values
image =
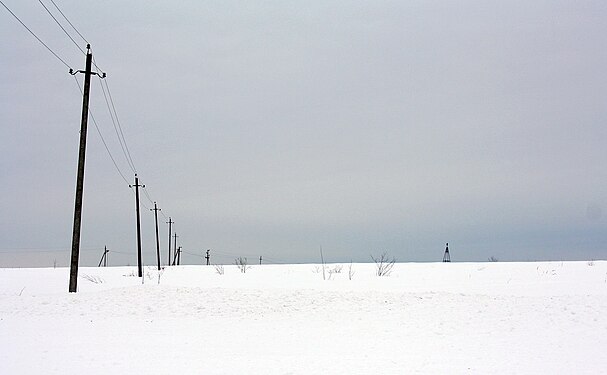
(74, 72)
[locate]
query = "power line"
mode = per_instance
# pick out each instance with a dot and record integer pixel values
(145, 206)
(277, 261)
(120, 126)
(148, 196)
(102, 139)
(122, 253)
(165, 216)
(68, 21)
(65, 31)
(111, 156)
(62, 28)
(49, 250)
(95, 62)
(270, 259)
(110, 104)
(152, 201)
(35, 36)
(196, 255)
(111, 108)
(107, 103)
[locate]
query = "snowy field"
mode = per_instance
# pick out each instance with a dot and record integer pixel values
(427, 318)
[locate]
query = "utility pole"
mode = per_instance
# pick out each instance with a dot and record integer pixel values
(156, 209)
(208, 257)
(175, 248)
(169, 258)
(260, 260)
(80, 177)
(139, 267)
(177, 256)
(104, 257)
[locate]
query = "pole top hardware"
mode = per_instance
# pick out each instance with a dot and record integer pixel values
(88, 52)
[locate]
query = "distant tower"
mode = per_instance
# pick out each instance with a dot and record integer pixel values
(447, 257)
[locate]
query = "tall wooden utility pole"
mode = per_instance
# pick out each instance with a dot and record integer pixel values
(208, 257)
(80, 178)
(169, 258)
(156, 209)
(139, 267)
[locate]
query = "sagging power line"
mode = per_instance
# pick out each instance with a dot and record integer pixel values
(61, 26)
(35, 36)
(110, 104)
(72, 25)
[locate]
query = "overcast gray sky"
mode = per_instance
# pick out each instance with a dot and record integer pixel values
(273, 127)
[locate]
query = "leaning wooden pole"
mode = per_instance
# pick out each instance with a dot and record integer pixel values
(80, 178)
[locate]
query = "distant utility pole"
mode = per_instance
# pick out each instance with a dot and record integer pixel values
(208, 257)
(177, 256)
(260, 260)
(169, 258)
(139, 267)
(175, 248)
(156, 209)
(104, 257)
(80, 177)
(447, 257)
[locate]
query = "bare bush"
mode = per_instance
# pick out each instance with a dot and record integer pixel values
(590, 263)
(219, 268)
(334, 270)
(493, 259)
(384, 264)
(242, 264)
(93, 279)
(350, 272)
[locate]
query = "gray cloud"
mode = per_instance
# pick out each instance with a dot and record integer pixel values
(272, 128)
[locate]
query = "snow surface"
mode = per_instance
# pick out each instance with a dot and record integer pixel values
(429, 318)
